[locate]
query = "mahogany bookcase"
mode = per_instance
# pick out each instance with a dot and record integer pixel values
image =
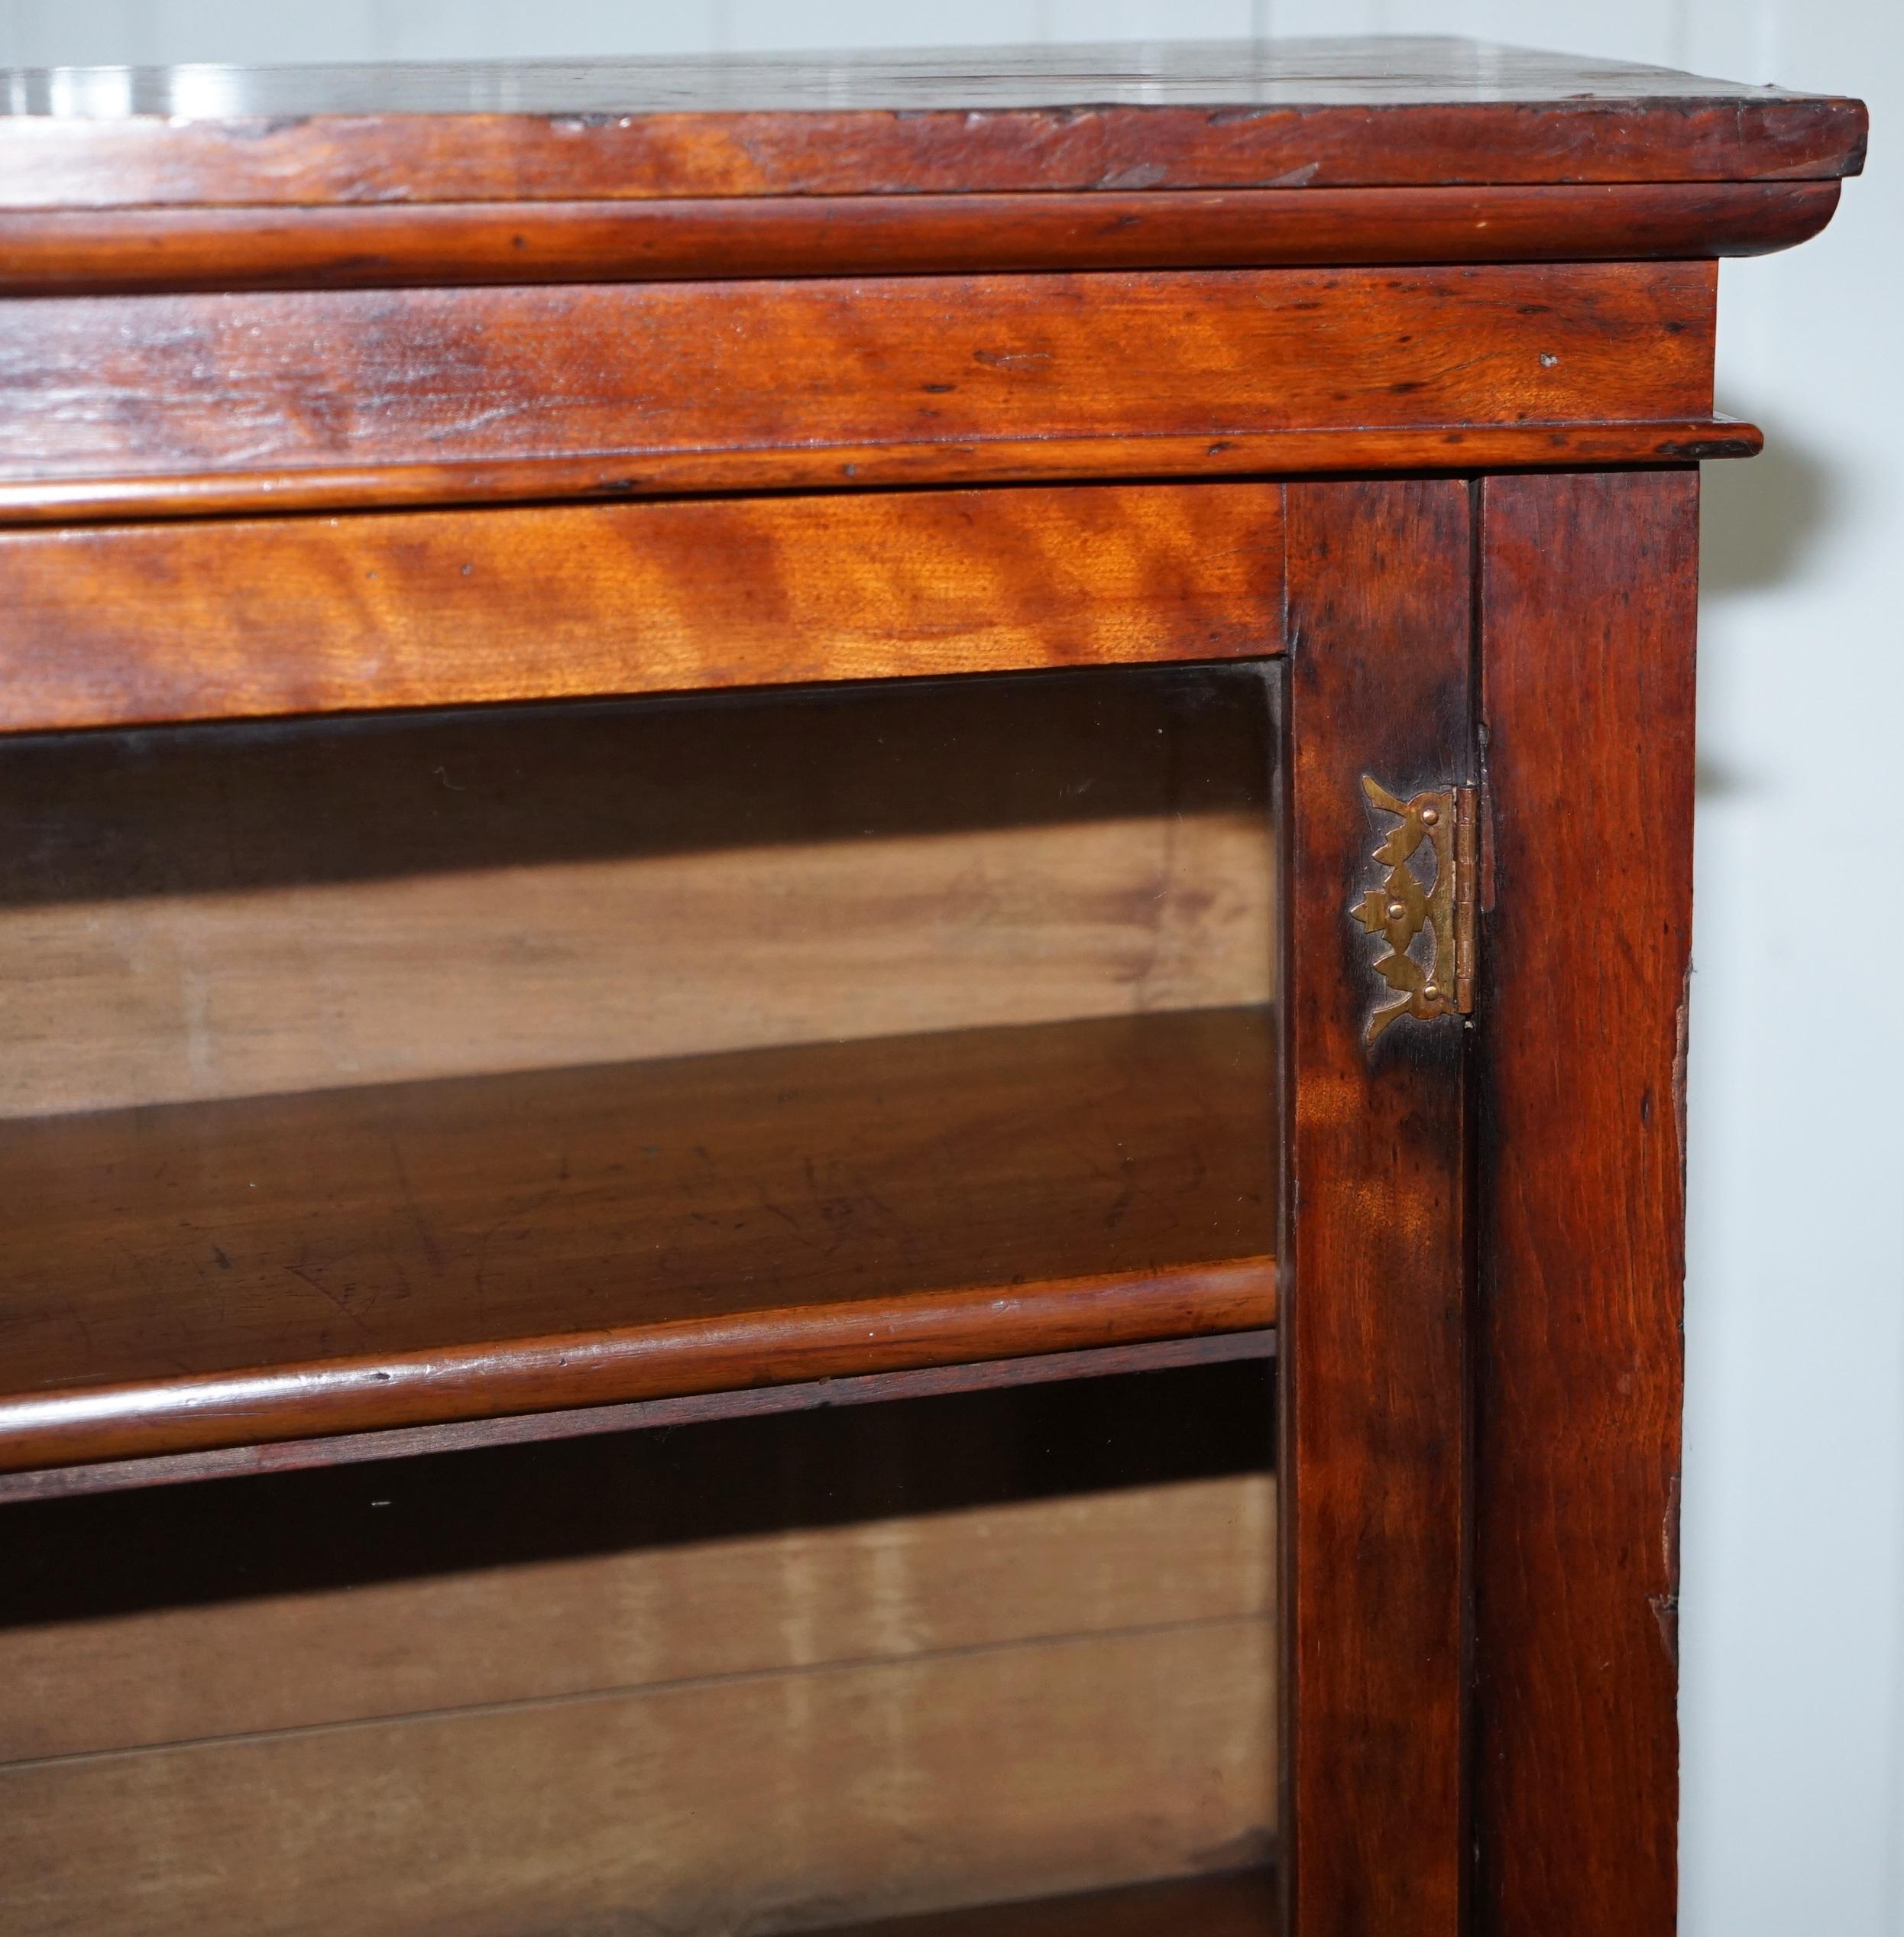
(1351, 394)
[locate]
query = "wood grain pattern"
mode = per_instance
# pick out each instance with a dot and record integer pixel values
(166, 998)
(610, 375)
(210, 1274)
(703, 1187)
(655, 1505)
(359, 1393)
(261, 1457)
(1373, 1349)
(1243, 1905)
(238, 911)
(1589, 591)
(639, 1612)
(1209, 115)
(120, 625)
(1010, 460)
(501, 288)
(78, 251)
(428, 1593)
(747, 1803)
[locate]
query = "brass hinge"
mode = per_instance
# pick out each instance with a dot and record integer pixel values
(1437, 980)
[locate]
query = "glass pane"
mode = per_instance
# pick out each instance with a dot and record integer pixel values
(360, 1040)
(359, 1037)
(736, 1678)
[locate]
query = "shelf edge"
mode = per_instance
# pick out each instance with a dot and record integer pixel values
(637, 1415)
(683, 1359)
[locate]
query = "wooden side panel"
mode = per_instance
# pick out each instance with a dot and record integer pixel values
(276, 383)
(1373, 1418)
(1589, 586)
(117, 626)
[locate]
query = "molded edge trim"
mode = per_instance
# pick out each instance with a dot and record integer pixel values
(136, 251)
(490, 1378)
(636, 1415)
(1458, 447)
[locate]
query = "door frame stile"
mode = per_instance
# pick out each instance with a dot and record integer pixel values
(1374, 1407)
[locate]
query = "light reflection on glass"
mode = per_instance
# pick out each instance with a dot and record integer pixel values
(97, 93)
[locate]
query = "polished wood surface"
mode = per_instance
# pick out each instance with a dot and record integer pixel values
(265, 920)
(70, 251)
(1373, 1353)
(619, 378)
(207, 1274)
(264, 1706)
(1207, 114)
(1361, 72)
(1583, 1134)
(416, 1219)
(126, 624)
(1091, 459)
(352, 1394)
(335, 390)
(263, 1456)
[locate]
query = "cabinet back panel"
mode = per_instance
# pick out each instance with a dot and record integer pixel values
(209, 912)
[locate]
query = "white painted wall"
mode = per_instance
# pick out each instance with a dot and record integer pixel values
(1793, 1621)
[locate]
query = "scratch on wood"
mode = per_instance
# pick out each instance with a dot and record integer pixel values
(1679, 1065)
(1665, 1606)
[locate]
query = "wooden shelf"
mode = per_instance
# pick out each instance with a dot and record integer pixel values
(1243, 1905)
(219, 1274)
(588, 1422)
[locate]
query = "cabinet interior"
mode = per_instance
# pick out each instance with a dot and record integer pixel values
(365, 1041)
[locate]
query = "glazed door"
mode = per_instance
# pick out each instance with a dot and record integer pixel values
(1481, 1259)
(883, 1038)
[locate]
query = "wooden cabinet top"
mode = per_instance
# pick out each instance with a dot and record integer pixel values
(491, 284)
(1316, 114)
